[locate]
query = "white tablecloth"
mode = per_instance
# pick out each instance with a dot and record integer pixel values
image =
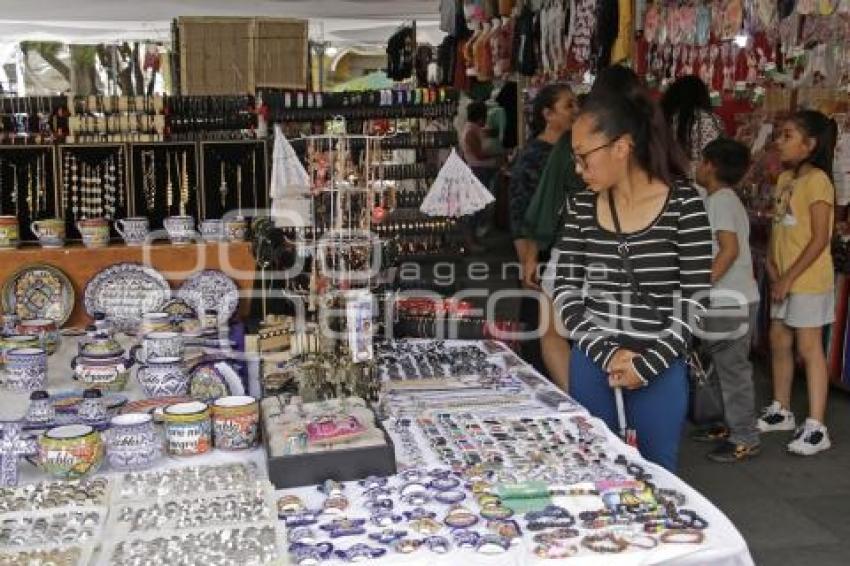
(723, 546)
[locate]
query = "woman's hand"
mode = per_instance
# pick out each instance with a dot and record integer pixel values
(621, 370)
(529, 274)
(780, 288)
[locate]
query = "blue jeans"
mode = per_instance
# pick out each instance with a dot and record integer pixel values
(657, 412)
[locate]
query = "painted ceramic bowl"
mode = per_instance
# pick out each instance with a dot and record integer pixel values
(70, 452)
(45, 330)
(236, 423)
(188, 429)
(132, 442)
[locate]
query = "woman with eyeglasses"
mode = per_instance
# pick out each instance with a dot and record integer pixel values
(633, 273)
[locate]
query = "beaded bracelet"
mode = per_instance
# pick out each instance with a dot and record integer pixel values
(682, 536)
(605, 543)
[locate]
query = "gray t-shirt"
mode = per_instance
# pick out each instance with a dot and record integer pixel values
(726, 213)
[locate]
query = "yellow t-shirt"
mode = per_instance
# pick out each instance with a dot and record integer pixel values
(792, 228)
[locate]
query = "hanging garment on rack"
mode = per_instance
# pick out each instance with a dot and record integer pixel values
(605, 33)
(400, 52)
(841, 169)
(446, 60)
(584, 29)
(526, 60)
(424, 57)
(622, 49)
(502, 43)
(506, 8)
(483, 55)
(448, 15)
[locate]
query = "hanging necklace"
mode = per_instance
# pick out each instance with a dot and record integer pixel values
(15, 188)
(30, 193)
(239, 189)
(119, 177)
(169, 188)
(109, 187)
(255, 203)
(184, 187)
(75, 188)
(222, 188)
(98, 186)
(149, 178)
(1, 186)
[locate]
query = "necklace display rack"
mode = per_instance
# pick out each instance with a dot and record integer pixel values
(235, 178)
(93, 183)
(113, 119)
(33, 120)
(164, 181)
(195, 118)
(28, 188)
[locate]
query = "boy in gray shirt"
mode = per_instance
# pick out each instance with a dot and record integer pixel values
(734, 301)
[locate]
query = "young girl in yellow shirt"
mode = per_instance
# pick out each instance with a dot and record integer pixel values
(801, 275)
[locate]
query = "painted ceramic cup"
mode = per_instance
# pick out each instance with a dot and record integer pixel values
(40, 409)
(159, 345)
(14, 341)
(70, 452)
(95, 232)
(50, 232)
(236, 423)
(155, 322)
(134, 230)
(45, 330)
(188, 430)
(236, 229)
(212, 230)
(181, 229)
(9, 232)
(163, 377)
(132, 442)
(92, 409)
(10, 324)
(26, 369)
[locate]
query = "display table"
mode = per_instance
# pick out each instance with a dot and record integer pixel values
(722, 544)
(176, 263)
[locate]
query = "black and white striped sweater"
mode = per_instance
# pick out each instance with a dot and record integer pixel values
(672, 262)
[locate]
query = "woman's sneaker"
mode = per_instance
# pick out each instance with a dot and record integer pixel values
(774, 417)
(810, 439)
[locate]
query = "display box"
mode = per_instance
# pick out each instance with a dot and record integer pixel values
(341, 465)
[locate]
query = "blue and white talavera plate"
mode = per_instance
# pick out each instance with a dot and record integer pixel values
(126, 291)
(211, 289)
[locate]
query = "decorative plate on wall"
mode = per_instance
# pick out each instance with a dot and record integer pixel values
(39, 291)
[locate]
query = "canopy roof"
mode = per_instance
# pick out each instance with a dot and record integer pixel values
(345, 22)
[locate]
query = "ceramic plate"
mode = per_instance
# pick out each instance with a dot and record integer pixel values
(39, 291)
(67, 401)
(126, 291)
(211, 289)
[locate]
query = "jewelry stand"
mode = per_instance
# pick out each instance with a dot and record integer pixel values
(235, 178)
(150, 166)
(28, 185)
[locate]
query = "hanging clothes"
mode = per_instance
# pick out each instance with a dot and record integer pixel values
(526, 60)
(502, 43)
(605, 33)
(400, 53)
(448, 15)
(622, 49)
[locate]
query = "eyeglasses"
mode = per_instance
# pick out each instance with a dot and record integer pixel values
(581, 158)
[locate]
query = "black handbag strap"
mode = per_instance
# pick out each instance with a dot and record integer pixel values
(623, 252)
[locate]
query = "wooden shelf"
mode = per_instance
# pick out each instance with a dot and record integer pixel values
(176, 263)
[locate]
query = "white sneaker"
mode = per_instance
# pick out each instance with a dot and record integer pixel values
(774, 417)
(810, 439)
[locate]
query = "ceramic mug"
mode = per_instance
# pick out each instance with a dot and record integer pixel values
(50, 232)
(70, 452)
(92, 409)
(236, 423)
(45, 330)
(155, 322)
(236, 229)
(16, 341)
(159, 345)
(9, 232)
(95, 232)
(188, 430)
(212, 230)
(181, 229)
(26, 369)
(41, 409)
(163, 377)
(134, 230)
(132, 442)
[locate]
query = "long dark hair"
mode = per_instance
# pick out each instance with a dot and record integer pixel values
(615, 79)
(638, 116)
(824, 130)
(682, 102)
(547, 97)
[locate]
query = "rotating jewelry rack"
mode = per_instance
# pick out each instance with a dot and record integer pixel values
(93, 183)
(234, 177)
(165, 180)
(28, 185)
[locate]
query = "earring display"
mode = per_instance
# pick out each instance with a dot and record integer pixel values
(27, 185)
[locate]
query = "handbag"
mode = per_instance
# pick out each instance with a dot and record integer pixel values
(705, 403)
